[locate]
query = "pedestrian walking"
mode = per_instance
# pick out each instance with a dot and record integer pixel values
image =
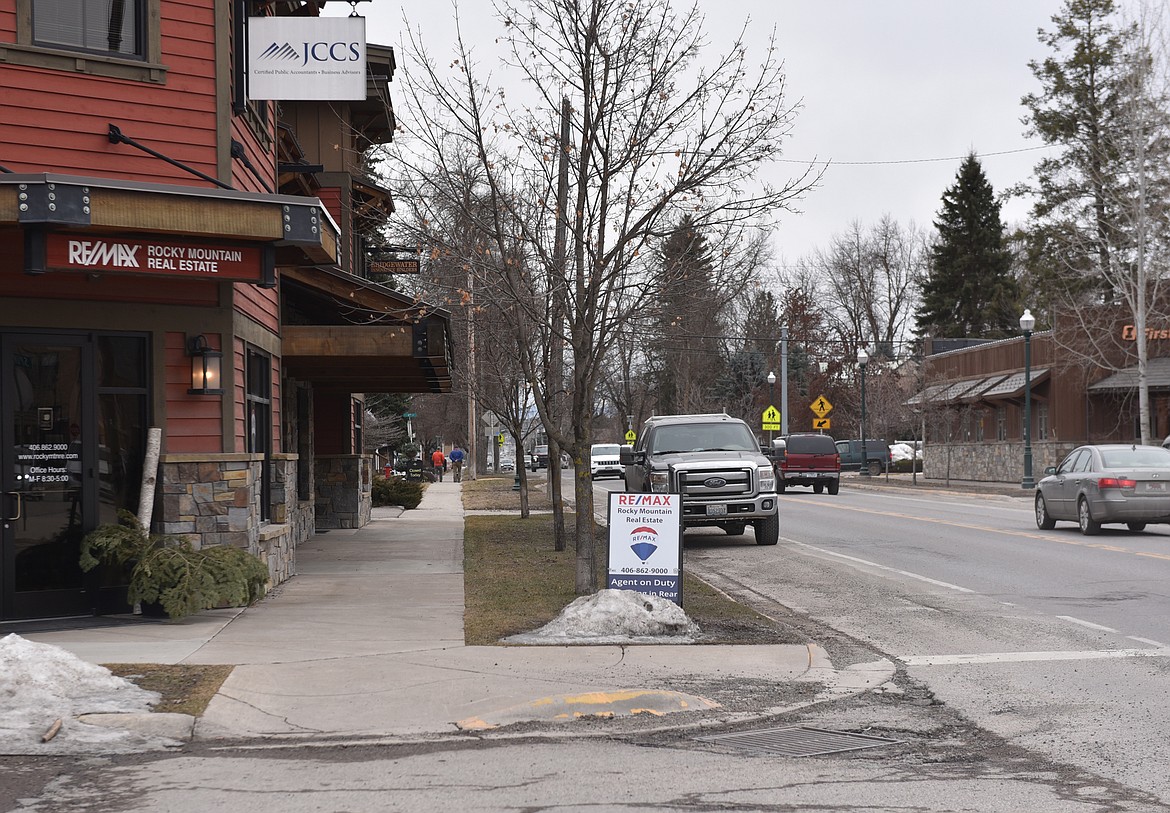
(457, 463)
(439, 461)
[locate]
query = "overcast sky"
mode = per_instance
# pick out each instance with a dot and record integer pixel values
(887, 88)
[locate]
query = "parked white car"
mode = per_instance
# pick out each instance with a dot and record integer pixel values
(507, 465)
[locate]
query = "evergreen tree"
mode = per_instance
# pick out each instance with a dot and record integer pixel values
(969, 290)
(741, 385)
(686, 347)
(1078, 107)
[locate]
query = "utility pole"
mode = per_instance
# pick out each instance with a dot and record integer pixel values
(784, 382)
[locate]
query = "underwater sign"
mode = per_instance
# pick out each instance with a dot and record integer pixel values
(645, 544)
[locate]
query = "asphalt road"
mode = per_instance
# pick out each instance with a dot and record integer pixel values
(1052, 640)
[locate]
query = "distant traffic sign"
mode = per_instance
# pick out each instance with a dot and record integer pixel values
(821, 423)
(770, 421)
(631, 436)
(821, 407)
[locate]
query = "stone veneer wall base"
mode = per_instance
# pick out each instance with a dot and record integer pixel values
(215, 500)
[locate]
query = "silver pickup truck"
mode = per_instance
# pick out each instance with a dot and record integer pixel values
(717, 465)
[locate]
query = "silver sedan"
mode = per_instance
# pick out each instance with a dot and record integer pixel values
(1113, 483)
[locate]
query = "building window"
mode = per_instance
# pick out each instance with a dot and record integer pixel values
(979, 434)
(259, 407)
(120, 38)
(98, 26)
(1001, 423)
(123, 392)
(1042, 422)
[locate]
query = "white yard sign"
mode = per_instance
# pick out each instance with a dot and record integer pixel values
(645, 544)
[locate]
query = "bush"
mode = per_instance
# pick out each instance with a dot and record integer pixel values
(396, 491)
(166, 569)
(903, 466)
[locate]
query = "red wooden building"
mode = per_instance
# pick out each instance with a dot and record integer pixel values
(155, 222)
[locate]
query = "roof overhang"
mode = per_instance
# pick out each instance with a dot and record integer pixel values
(298, 228)
(1157, 378)
(1012, 386)
(373, 119)
(1002, 386)
(369, 339)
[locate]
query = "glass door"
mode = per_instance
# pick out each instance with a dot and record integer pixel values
(47, 473)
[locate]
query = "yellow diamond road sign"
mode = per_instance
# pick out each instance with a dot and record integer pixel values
(821, 407)
(631, 436)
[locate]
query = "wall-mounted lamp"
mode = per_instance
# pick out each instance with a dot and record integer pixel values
(206, 365)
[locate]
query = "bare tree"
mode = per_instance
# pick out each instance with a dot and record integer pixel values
(654, 135)
(869, 282)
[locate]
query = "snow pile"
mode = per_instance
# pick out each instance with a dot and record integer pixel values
(615, 617)
(905, 451)
(40, 684)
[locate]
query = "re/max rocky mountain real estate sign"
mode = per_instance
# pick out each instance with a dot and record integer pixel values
(645, 544)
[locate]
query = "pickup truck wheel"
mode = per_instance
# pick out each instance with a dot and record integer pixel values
(818, 488)
(875, 468)
(834, 486)
(768, 530)
(735, 528)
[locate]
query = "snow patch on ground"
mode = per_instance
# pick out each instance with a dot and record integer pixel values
(41, 683)
(615, 617)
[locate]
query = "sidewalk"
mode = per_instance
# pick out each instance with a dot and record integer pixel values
(367, 641)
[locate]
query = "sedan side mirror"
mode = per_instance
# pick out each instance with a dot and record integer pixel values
(1048, 472)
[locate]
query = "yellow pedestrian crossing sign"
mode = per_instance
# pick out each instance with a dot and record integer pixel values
(631, 436)
(821, 407)
(771, 420)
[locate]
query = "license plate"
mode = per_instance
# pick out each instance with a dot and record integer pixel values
(1155, 486)
(716, 510)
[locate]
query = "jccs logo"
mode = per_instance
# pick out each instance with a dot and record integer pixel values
(313, 52)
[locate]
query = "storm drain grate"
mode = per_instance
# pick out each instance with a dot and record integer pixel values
(798, 741)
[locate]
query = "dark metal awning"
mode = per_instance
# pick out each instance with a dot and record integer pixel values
(1157, 378)
(1012, 385)
(299, 228)
(344, 333)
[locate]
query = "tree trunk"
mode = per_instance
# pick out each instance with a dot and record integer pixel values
(149, 477)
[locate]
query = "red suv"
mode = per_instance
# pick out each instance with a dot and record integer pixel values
(807, 460)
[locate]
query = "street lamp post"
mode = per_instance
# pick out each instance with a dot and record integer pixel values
(771, 400)
(1027, 322)
(862, 360)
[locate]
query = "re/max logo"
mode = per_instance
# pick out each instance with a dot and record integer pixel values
(100, 254)
(644, 499)
(315, 51)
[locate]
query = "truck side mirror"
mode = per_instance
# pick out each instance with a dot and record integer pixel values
(626, 455)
